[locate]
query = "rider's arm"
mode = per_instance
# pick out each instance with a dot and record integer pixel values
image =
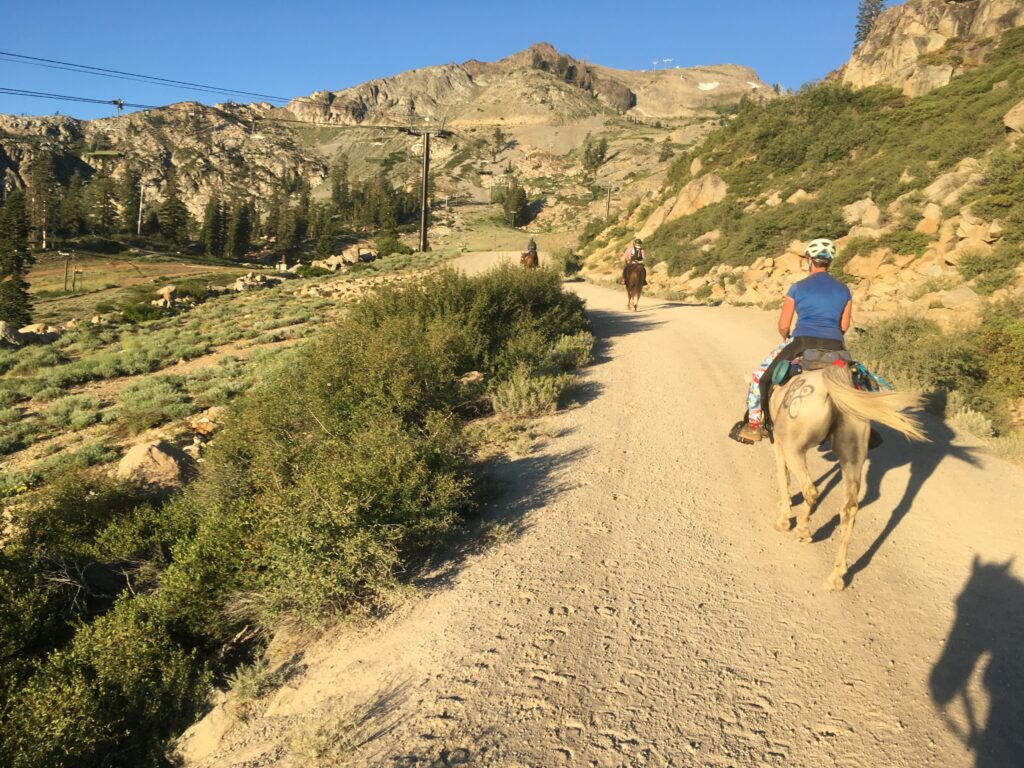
(786, 316)
(847, 318)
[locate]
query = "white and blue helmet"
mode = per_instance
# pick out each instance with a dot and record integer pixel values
(822, 249)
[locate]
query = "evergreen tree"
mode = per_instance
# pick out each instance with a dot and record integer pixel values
(498, 142)
(516, 205)
(44, 196)
(323, 245)
(239, 231)
(15, 305)
(666, 150)
(594, 154)
(214, 226)
(174, 218)
(867, 15)
(341, 201)
(129, 197)
(303, 215)
(101, 205)
(287, 235)
(71, 220)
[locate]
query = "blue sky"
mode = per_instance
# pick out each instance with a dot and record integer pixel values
(293, 49)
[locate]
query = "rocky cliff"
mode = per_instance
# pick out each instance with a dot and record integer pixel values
(545, 102)
(538, 84)
(922, 44)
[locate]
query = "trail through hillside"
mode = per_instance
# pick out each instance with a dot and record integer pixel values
(646, 613)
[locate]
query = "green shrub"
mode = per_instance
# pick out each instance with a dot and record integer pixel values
(523, 393)
(151, 402)
(905, 242)
(73, 412)
(388, 244)
(571, 352)
(114, 696)
(339, 469)
(992, 271)
(306, 270)
(985, 368)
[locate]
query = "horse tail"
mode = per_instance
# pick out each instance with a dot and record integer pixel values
(883, 407)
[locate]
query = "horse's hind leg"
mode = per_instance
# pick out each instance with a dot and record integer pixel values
(796, 459)
(782, 521)
(850, 443)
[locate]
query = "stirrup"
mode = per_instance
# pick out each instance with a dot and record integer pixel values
(734, 433)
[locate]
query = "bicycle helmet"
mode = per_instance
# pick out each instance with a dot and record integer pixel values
(822, 249)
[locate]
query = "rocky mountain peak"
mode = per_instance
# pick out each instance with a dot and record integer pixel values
(922, 44)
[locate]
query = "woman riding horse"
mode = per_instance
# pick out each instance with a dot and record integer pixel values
(824, 310)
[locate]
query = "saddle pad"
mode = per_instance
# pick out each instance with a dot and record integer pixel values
(816, 359)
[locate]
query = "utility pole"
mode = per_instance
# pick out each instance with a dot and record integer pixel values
(423, 199)
(424, 210)
(67, 262)
(608, 203)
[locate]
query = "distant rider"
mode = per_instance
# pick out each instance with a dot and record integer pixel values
(634, 254)
(531, 247)
(824, 308)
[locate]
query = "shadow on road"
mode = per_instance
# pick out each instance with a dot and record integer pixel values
(608, 325)
(989, 623)
(922, 458)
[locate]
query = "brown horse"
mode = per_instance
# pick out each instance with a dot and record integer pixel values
(824, 404)
(529, 260)
(634, 276)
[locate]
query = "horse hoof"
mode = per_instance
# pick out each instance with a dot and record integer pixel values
(782, 524)
(803, 535)
(836, 582)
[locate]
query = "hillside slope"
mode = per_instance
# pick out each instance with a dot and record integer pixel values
(544, 102)
(922, 44)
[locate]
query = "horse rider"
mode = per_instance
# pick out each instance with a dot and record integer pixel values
(634, 254)
(531, 247)
(824, 308)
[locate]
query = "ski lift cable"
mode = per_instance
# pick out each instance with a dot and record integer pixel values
(102, 71)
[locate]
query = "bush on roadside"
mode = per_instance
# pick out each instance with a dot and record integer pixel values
(151, 402)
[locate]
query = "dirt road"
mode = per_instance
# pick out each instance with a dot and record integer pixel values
(646, 613)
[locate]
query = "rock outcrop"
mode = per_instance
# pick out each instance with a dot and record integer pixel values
(922, 44)
(156, 464)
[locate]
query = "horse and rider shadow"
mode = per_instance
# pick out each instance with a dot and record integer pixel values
(921, 458)
(987, 634)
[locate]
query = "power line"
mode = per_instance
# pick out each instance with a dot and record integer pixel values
(64, 97)
(120, 74)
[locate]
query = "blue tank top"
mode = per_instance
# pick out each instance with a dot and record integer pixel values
(820, 300)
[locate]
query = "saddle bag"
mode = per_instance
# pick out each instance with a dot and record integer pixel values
(816, 359)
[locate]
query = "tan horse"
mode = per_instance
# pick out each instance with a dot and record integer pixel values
(634, 276)
(529, 260)
(824, 404)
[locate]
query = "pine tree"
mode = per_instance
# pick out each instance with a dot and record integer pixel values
(516, 205)
(15, 305)
(214, 226)
(287, 235)
(594, 154)
(498, 142)
(303, 216)
(323, 245)
(101, 205)
(129, 197)
(239, 231)
(43, 203)
(867, 15)
(71, 221)
(173, 214)
(341, 201)
(666, 150)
